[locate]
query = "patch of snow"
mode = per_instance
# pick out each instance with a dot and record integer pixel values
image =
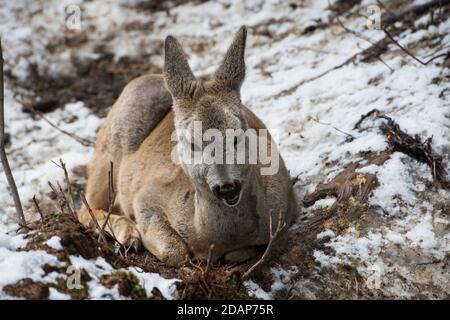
(327, 233)
(56, 295)
(54, 243)
(256, 291)
(153, 280)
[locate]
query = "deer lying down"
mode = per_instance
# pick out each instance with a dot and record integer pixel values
(177, 208)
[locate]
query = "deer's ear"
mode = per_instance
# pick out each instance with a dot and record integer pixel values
(231, 72)
(177, 73)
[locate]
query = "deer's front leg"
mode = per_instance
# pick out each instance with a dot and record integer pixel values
(121, 228)
(160, 239)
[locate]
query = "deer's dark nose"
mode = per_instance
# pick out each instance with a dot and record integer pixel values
(228, 192)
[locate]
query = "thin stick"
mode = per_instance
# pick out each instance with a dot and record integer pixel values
(111, 195)
(410, 54)
(335, 128)
(63, 196)
(273, 236)
(69, 188)
(91, 213)
(85, 142)
(359, 35)
(3, 157)
(38, 208)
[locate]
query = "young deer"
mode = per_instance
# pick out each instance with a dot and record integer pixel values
(178, 209)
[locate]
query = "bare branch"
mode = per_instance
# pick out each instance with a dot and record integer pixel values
(349, 138)
(111, 196)
(69, 188)
(273, 236)
(410, 54)
(361, 36)
(3, 157)
(85, 142)
(36, 203)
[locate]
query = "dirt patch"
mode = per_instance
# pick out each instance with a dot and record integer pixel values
(128, 285)
(97, 83)
(28, 289)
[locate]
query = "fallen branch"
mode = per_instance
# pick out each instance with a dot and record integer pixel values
(412, 146)
(296, 86)
(348, 183)
(273, 236)
(349, 138)
(410, 54)
(361, 36)
(3, 157)
(83, 141)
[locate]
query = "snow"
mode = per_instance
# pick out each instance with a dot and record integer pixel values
(99, 267)
(254, 290)
(303, 122)
(327, 233)
(17, 265)
(154, 280)
(54, 243)
(56, 295)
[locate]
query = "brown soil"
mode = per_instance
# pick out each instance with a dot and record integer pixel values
(28, 289)
(97, 83)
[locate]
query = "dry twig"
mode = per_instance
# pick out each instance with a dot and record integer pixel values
(361, 36)
(83, 141)
(412, 146)
(59, 196)
(111, 196)
(36, 204)
(273, 236)
(410, 54)
(69, 188)
(349, 138)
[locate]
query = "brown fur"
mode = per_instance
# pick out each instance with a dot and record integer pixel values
(168, 206)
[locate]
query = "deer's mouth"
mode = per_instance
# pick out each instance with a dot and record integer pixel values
(229, 193)
(233, 201)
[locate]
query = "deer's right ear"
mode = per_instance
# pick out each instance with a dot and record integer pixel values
(177, 73)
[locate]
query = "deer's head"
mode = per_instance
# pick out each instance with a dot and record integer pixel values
(208, 115)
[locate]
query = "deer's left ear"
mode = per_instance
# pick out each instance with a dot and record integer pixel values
(231, 72)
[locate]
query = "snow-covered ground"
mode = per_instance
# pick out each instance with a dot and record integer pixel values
(409, 249)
